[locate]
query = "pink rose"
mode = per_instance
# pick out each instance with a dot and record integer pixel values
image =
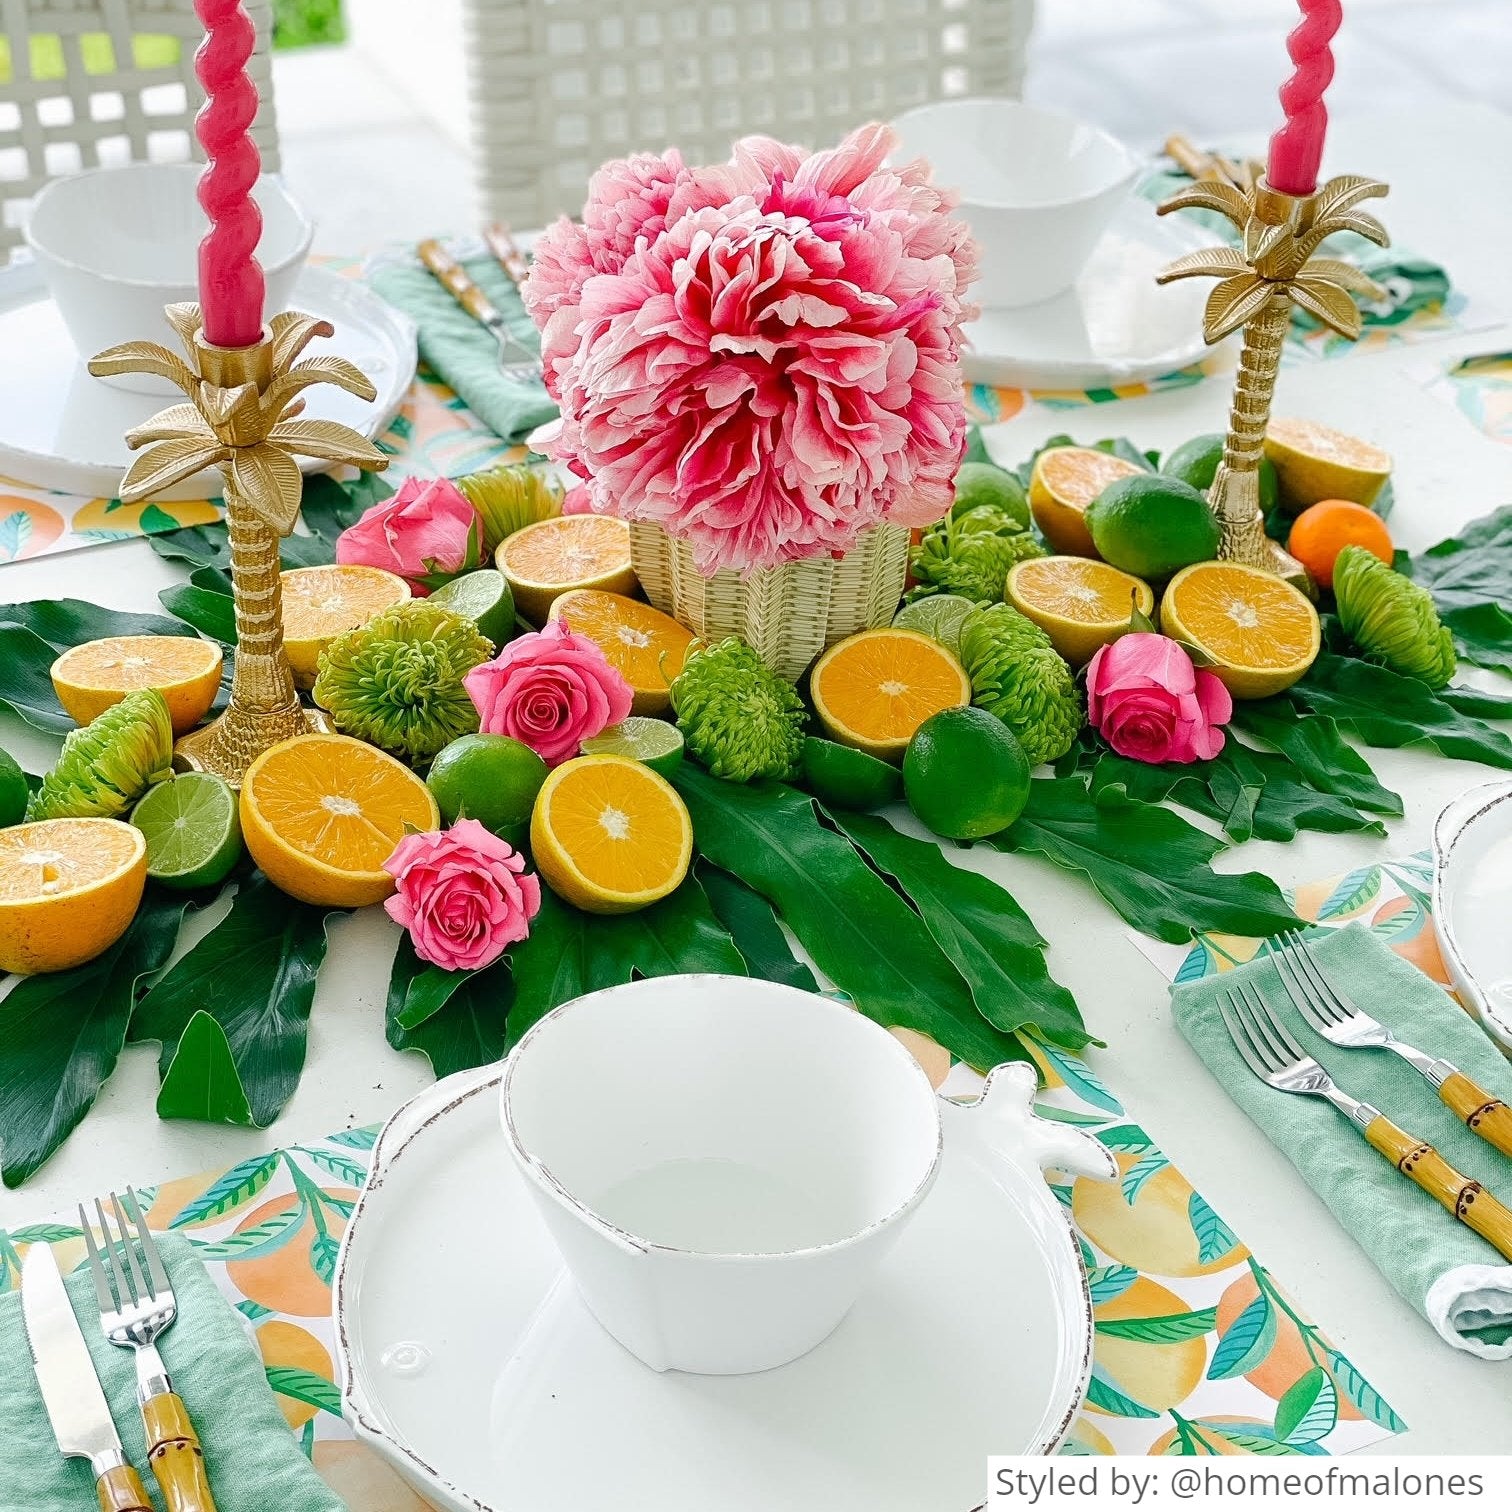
(464, 895)
(1147, 700)
(427, 532)
(550, 689)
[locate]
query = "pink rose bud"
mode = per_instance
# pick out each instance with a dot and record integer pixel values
(551, 690)
(463, 895)
(427, 533)
(1147, 700)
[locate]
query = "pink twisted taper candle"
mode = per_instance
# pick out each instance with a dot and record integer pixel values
(1296, 149)
(230, 280)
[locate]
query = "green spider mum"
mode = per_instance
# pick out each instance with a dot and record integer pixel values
(970, 555)
(508, 498)
(739, 718)
(1390, 617)
(106, 766)
(1019, 676)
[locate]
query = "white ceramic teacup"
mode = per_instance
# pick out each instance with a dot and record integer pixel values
(1037, 187)
(117, 244)
(721, 1161)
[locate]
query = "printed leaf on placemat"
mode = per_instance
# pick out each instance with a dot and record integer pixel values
(1351, 893)
(1078, 1076)
(354, 1139)
(229, 1191)
(324, 1249)
(1361, 1394)
(44, 1233)
(1248, 1340)
(343, 1168)
(263, 1238)
(1139, 1173)
(1105, 1393)
(1309, 1409)
(305, 1386)
(1171, 1329)
(1251, 1437)
(1214, 1237)
(1105, 1282)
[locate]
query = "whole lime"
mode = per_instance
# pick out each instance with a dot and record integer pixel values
(1152, 525)
(13, 790)
(1196, 462)
(491, 778)
(980, 483)
(847, 778)
(965, 774)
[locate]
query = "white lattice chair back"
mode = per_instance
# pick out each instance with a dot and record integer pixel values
(140, 107)
(560, 85)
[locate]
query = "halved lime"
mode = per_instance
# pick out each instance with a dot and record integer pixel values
(485, 598)
(192, 830)
(938, 616)
(653, 741)
(847, 778)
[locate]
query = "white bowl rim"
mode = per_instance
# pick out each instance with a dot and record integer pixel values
(297, 254)
(1132, 160)
(541, 1176)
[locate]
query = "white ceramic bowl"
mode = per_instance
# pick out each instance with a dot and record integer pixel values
(117, 244)
(1037, 187)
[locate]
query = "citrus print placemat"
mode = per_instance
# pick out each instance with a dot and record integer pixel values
(1480, 388)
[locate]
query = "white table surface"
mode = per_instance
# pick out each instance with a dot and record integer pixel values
(1444, 203)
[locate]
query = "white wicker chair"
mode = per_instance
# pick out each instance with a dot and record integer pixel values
(50, 127)
(560, 85)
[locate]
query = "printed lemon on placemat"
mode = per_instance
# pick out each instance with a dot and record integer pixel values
(1260, 633)
(1315, 462)
(1080, 604)
(322, 813)
(97, 675)
(647, 648)
(1064, 482)
(69, 888)
(547, 559)
(874, 689)
(320, 603)
(609, 835)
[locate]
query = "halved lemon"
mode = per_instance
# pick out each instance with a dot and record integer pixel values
(547, 559)
(1064, 482)
(874, 689)
(1315, 462)
(320, 603)
(1260, 632)
(96, 676)
(69, 889)
(1080, 604)
(644, 645)
(609, 835)
(320, 814)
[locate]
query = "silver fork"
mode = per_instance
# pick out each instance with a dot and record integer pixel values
(516, 361)
(1267, 1047)
(137, 1306)
(1338, 1018)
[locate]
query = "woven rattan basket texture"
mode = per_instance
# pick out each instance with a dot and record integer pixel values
(788, 613)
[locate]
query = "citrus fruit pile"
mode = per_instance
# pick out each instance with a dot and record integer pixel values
(552, 557)
(94, 677)
(646, 647)
(1065, 481)
(320, 603)
(1315, 462)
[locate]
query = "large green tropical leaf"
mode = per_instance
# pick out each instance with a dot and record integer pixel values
(60, 1036)
(857, 930)
(204, 602)
(25, 687)
(753, 925)
(1148, 862)
(1470, 578)
(202, 1081)
(465, 1030)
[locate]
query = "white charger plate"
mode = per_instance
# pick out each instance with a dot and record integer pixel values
(468, 1361)
(62, 429)
(1116, 326)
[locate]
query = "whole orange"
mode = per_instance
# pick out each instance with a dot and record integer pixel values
(1324, 529)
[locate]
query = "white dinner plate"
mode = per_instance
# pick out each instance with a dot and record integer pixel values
(62, 429)
(1116, 326)
(468, 1361)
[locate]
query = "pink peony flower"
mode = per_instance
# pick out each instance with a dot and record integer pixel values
(1147, 700)
(576, 501)
(427, 533)
(763, 357)
(550, 689)
(463, 895)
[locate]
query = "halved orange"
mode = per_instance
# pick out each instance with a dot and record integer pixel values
(874, 689)
(609, 835)
(1315, 462)
(320, 603)
(545, 560)
(1080, 604)
(320, 814)
(69, 888)
(647, 647)
(1260, 632)
(96, 676)
(1064, 482)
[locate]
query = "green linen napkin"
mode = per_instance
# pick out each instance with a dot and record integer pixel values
(1451, 1275)
(253, 1459)
(464, 355)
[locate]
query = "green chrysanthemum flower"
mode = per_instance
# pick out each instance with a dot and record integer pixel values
(1390, 617)
(106, 766)
(1019, 676)
(508, 498)
(970, 555)
(397, 680)
(739, 718)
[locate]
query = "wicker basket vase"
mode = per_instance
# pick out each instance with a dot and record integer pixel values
(788, 613)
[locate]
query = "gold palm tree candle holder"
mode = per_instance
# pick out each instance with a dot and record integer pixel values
(243, 418)
(1276, 268)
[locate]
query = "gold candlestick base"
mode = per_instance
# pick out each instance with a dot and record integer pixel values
(242, 418)
(1275, 269)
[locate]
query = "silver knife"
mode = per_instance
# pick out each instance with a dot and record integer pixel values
(81, 1419)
